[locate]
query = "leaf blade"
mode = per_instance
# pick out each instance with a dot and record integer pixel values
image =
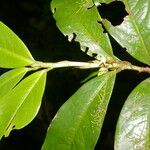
(80, 18)
(26, 98)
(133, 126)
(133, 33)
(9, 79)
(77, 124)
(13, 52)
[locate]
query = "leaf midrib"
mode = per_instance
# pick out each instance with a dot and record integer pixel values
(24, 98)
(92, 38)
(85, 112)
(16, 55)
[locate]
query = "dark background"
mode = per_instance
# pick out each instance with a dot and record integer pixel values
(33, 22)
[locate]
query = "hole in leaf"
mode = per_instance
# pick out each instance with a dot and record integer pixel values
(54, 10)
(91, 6)
(113, 12)
(94, 55)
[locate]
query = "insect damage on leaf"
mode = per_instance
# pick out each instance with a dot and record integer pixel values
(104, 29)
(77, 20)
(72, 38)
(114, 12)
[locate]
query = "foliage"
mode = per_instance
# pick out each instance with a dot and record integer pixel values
(78, 123)
(87, 108)
(133, 125)
(13, 48)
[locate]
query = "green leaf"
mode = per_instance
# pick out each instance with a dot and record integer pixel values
(133, 33)
(13, 52)
(77, 124)
(9, 79)
(21, 104)
(133, 128)
(78, 19)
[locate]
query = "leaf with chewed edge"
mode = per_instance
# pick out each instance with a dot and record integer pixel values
(78, 19)
(134, 32)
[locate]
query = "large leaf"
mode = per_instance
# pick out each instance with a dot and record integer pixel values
(13, 52)
(78, 19)
(133, 33)
(77, 124)
(9, 79)
(133, 128)
(21, 104)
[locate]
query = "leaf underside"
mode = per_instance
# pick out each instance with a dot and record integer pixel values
(13, 52)
(77, 124)
(23, 103)
(9, 79)
(133, 127)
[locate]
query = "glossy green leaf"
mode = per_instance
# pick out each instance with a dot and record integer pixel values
(13, 52)
(77, 124)
(20, 105)
(133, 33)
(133, 128)
(78, 19)
(9, 79)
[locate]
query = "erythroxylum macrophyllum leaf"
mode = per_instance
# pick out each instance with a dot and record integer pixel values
(9, 79)
(78, 19)
(133, 127)
(13, 52)
(21, 104)
(134, 32)
(78, 123)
